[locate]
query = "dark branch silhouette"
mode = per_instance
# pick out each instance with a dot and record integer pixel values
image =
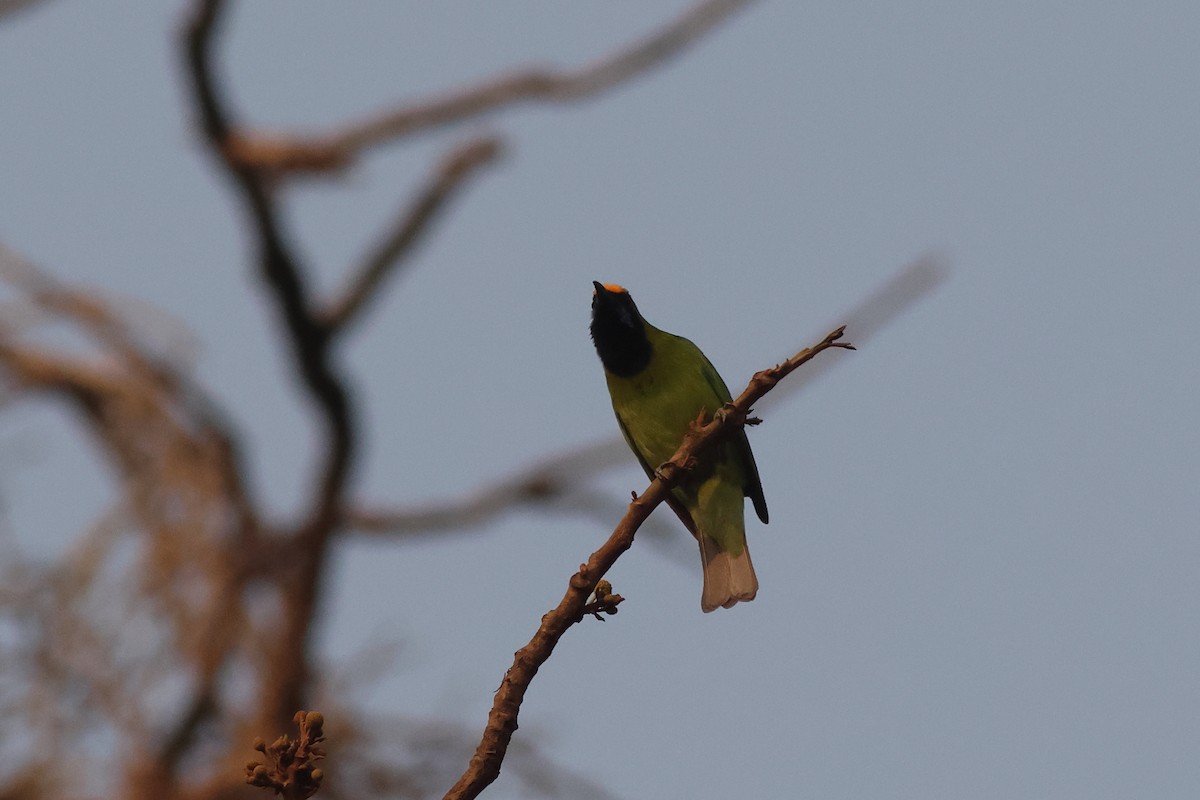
(284, 275)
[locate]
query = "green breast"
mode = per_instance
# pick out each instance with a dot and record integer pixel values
(655, 406)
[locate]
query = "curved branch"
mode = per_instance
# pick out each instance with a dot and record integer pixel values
(547, 480)
(898, 294)
(542, 85)
(281, 270)
(338, 149)
(280, 267)
(502, 721)
(462, 162)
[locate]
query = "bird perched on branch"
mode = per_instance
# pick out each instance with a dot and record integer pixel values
(659, 384)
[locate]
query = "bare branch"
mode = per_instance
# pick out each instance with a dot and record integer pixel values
(545, 481)
(898, 294)
(280, 269)
(338, 149)
(11, 6)
(462, 162)
(50, 296)
(286, 668)
(136, 368)
(913, 282)
(184, 512)
(484, 767)
(542, 85)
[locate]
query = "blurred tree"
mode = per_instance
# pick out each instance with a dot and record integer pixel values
(178, 627)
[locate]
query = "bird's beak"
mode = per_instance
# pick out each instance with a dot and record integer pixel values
(599, 287)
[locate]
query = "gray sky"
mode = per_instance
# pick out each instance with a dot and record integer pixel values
(980, 577)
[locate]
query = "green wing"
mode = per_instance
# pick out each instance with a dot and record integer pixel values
(659, 403)
(674, 502)
(752, 487)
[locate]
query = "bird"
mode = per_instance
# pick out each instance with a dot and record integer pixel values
(659, 384)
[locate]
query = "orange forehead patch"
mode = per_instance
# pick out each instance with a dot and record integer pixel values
(612, 287)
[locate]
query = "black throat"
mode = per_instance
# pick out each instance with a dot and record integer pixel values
(619, 334)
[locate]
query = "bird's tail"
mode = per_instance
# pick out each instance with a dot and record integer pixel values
(728, 578)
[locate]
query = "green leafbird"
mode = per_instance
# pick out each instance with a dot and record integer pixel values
(659, 383)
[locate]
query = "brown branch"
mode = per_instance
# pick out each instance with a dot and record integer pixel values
(538, 486)
(184, 494)
(11, 6)
(336, 150)
(280, 267)
(545, 481)
(898, 294)
(208, 421)
(281, 270)
(48, 295)
(502, 721)
(462, 162)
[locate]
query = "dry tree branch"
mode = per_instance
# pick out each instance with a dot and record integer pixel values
(484, 767)
(287, 664)
(48, 295)
(95, 316)
(541, 85)
(336, 150)
(911, 283)
(462, 162)
(11, 6)
(185, 514)
(546, 480)
(280, 269)
(555, 484)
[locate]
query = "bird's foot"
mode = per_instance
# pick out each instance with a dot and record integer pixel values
(669, 471)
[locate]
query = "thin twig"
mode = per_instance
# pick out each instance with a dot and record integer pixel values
(336, 150)
(915, 281)
(463, 162)
(502, 721)
(544, 481)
